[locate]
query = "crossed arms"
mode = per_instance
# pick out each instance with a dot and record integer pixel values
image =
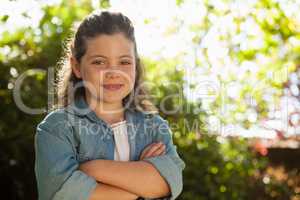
(128, 180)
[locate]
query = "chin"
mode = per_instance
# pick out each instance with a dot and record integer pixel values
(112, 100)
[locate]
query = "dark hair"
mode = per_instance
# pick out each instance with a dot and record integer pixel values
(94, 25)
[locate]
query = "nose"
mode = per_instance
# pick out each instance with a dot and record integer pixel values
(112, 73)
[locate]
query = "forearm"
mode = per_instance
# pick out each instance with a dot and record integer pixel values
(138, 177)
(107, 192)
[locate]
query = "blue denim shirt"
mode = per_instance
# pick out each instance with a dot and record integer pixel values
(69, 136)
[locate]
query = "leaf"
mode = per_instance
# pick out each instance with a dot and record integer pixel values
(4, 18)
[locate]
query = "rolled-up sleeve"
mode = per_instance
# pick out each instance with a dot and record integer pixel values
(56, 166)
(169, 165)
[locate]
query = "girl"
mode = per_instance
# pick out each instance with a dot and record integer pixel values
(106, 140)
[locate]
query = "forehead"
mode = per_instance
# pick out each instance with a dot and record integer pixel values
(110, 45)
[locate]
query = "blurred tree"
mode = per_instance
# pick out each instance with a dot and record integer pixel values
(24, 51)
(248, 49)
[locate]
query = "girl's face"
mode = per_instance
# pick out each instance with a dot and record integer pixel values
(107, 68)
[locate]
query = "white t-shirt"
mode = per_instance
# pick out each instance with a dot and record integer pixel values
(121, 141)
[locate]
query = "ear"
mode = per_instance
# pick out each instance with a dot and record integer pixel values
(75, 67)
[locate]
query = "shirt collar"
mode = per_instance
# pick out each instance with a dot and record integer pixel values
(80, 108)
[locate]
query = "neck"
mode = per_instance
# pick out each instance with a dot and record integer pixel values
(109, 112)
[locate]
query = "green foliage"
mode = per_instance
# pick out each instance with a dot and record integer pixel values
(4, 18)
(221, 169)
(217, 168)
(104, 3)
(254, 37)
(29, 49)
(179, 2)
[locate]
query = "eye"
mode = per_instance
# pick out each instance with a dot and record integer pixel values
(125, 62)
(98, 62)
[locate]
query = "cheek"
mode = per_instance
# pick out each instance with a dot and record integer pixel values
(130, 78)
(93, 75)
(93, 79)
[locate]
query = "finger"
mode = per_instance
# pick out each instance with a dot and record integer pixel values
(159, 151)
(147, 149)
(159, 148)
(153, 149)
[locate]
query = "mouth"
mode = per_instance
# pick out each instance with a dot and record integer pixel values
(112, 87)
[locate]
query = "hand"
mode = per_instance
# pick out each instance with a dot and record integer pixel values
(88, 167)
(152, 150)
(84, 167)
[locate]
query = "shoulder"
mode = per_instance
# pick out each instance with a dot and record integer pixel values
(54, 130)
(154, 118)
(159, 126)
(56, 119)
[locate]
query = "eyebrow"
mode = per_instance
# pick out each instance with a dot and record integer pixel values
(98, 55)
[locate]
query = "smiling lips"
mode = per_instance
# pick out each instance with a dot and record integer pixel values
(112, 87)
